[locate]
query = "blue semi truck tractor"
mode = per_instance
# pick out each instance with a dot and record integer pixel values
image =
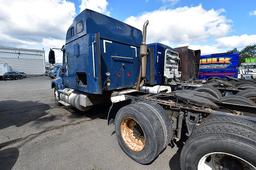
(108, 60)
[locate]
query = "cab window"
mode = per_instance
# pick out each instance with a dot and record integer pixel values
(79, 27)
(70, 32)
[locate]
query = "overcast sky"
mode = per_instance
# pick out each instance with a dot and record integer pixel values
(210, 25)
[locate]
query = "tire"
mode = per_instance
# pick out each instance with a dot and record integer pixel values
(219, 82)
(249, 93)
(242, 82)
(247, 86)
(213, 78)
(163, 118)
(228, 137)
(196, 98)
(210, 90)
(153, 133)
(234, 99)
(230, 78)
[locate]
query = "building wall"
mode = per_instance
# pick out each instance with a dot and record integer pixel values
(26, 60)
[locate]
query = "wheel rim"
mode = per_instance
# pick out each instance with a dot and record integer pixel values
(223, 161)
(132, 134)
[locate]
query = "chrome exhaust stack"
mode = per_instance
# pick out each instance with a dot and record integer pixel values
(143, 54)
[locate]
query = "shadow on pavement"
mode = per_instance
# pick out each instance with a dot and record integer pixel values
(174, 163)
(96, 112)
(71, 116)
(8, 158)
(18, 113)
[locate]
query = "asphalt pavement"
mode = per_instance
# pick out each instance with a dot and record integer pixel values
(38, 134)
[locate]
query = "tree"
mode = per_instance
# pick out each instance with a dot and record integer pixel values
(248, 51)
(235, 50)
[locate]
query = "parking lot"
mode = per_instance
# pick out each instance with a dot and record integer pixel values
(36, 133)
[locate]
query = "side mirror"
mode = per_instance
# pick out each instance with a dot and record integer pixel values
(51, 56)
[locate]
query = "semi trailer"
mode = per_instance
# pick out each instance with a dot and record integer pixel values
(107, 60)
(219, 65)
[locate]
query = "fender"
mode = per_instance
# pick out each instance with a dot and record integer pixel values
(114, 109)
(57, 83)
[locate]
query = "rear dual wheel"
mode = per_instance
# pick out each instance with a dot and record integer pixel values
(221, 143)
(143, 130)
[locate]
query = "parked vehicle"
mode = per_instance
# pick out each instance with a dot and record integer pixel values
(23, 75)
(163, 64)
(106, 60)
(54, 71)
(247, 71)
(13, 75)
(219, 65)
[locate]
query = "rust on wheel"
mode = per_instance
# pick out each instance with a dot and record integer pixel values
(132, 134)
